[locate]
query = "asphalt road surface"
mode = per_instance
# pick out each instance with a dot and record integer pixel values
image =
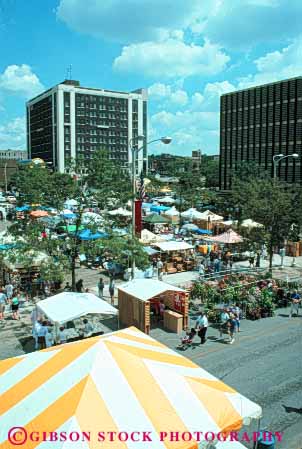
(264, 364)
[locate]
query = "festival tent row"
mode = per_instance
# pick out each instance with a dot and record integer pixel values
(124, 381)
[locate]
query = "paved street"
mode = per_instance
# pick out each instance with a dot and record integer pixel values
(263, 364)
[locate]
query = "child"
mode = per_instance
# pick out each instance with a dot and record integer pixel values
(188, 338)
(231, 326)
(237, 319)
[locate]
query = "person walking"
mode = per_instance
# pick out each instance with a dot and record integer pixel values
(231, 323)
(101, 287)
(295, 301)
(202, 327)
(201, 270)
(224, 318)
(79, 286)
(160, 269)
(3, 300)
(15, 307)
(111, 290)
(216, 265)
(9, 289)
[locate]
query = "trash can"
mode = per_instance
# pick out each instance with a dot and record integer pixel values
(266, 440)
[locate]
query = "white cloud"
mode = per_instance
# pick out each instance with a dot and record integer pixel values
(277, 65)
(20, 80)
(197, 100)
(188, 129)
(167, 94)
(128, 21)
(235, 25)
(159, 90)
(13, 135)
(180, 97)
(171, 59)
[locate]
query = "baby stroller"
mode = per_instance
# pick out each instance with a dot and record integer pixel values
(187, 340)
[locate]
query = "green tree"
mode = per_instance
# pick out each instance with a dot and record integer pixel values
(269, 202)
(111, 187)
(37, 185)
(109, 180)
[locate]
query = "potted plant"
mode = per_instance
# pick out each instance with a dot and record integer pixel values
(266, 303)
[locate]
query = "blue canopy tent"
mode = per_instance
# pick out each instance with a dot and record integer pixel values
(159, 208)
(147, 205)
(86, 234)
(202, 231)
(150, 251)
(23, 208)
(6, 246)
(69, 216)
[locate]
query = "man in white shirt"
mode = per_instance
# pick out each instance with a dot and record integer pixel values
(202, 326)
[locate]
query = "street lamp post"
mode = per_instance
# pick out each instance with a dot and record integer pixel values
(5, 176)
(134, 152)
(278, 158)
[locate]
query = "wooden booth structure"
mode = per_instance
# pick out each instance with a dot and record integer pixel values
(176, 256)
(139, 299)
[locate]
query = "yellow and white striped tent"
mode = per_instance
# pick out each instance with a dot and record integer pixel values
(124, 381)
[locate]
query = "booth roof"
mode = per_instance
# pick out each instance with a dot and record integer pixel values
(145, 289)
(173, 246)
(68, 306)
(143, 383)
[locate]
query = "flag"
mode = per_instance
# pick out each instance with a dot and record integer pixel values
(142, 192)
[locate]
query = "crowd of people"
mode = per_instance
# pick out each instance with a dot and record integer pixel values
(229, 323)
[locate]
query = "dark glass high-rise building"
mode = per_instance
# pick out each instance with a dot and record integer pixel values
(69, 120)
(258, 123)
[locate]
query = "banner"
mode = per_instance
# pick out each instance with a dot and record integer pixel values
(138, 217)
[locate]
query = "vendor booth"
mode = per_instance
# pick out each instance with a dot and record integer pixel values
(141, 299)
(210, 221)
(176, 256)
(118, 383)
(25, 270)
(68, 306)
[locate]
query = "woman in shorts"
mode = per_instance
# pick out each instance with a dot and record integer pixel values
(15, 307)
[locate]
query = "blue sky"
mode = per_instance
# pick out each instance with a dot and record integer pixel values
(186, 52)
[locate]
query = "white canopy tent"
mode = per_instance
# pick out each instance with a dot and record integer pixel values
(166, 200)
(91, 218)
(208, 215)
(173, 212)
(120, 211)
(173, 246)
(189, 213)
(145, 289)
(149, 237)
(68, 306)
